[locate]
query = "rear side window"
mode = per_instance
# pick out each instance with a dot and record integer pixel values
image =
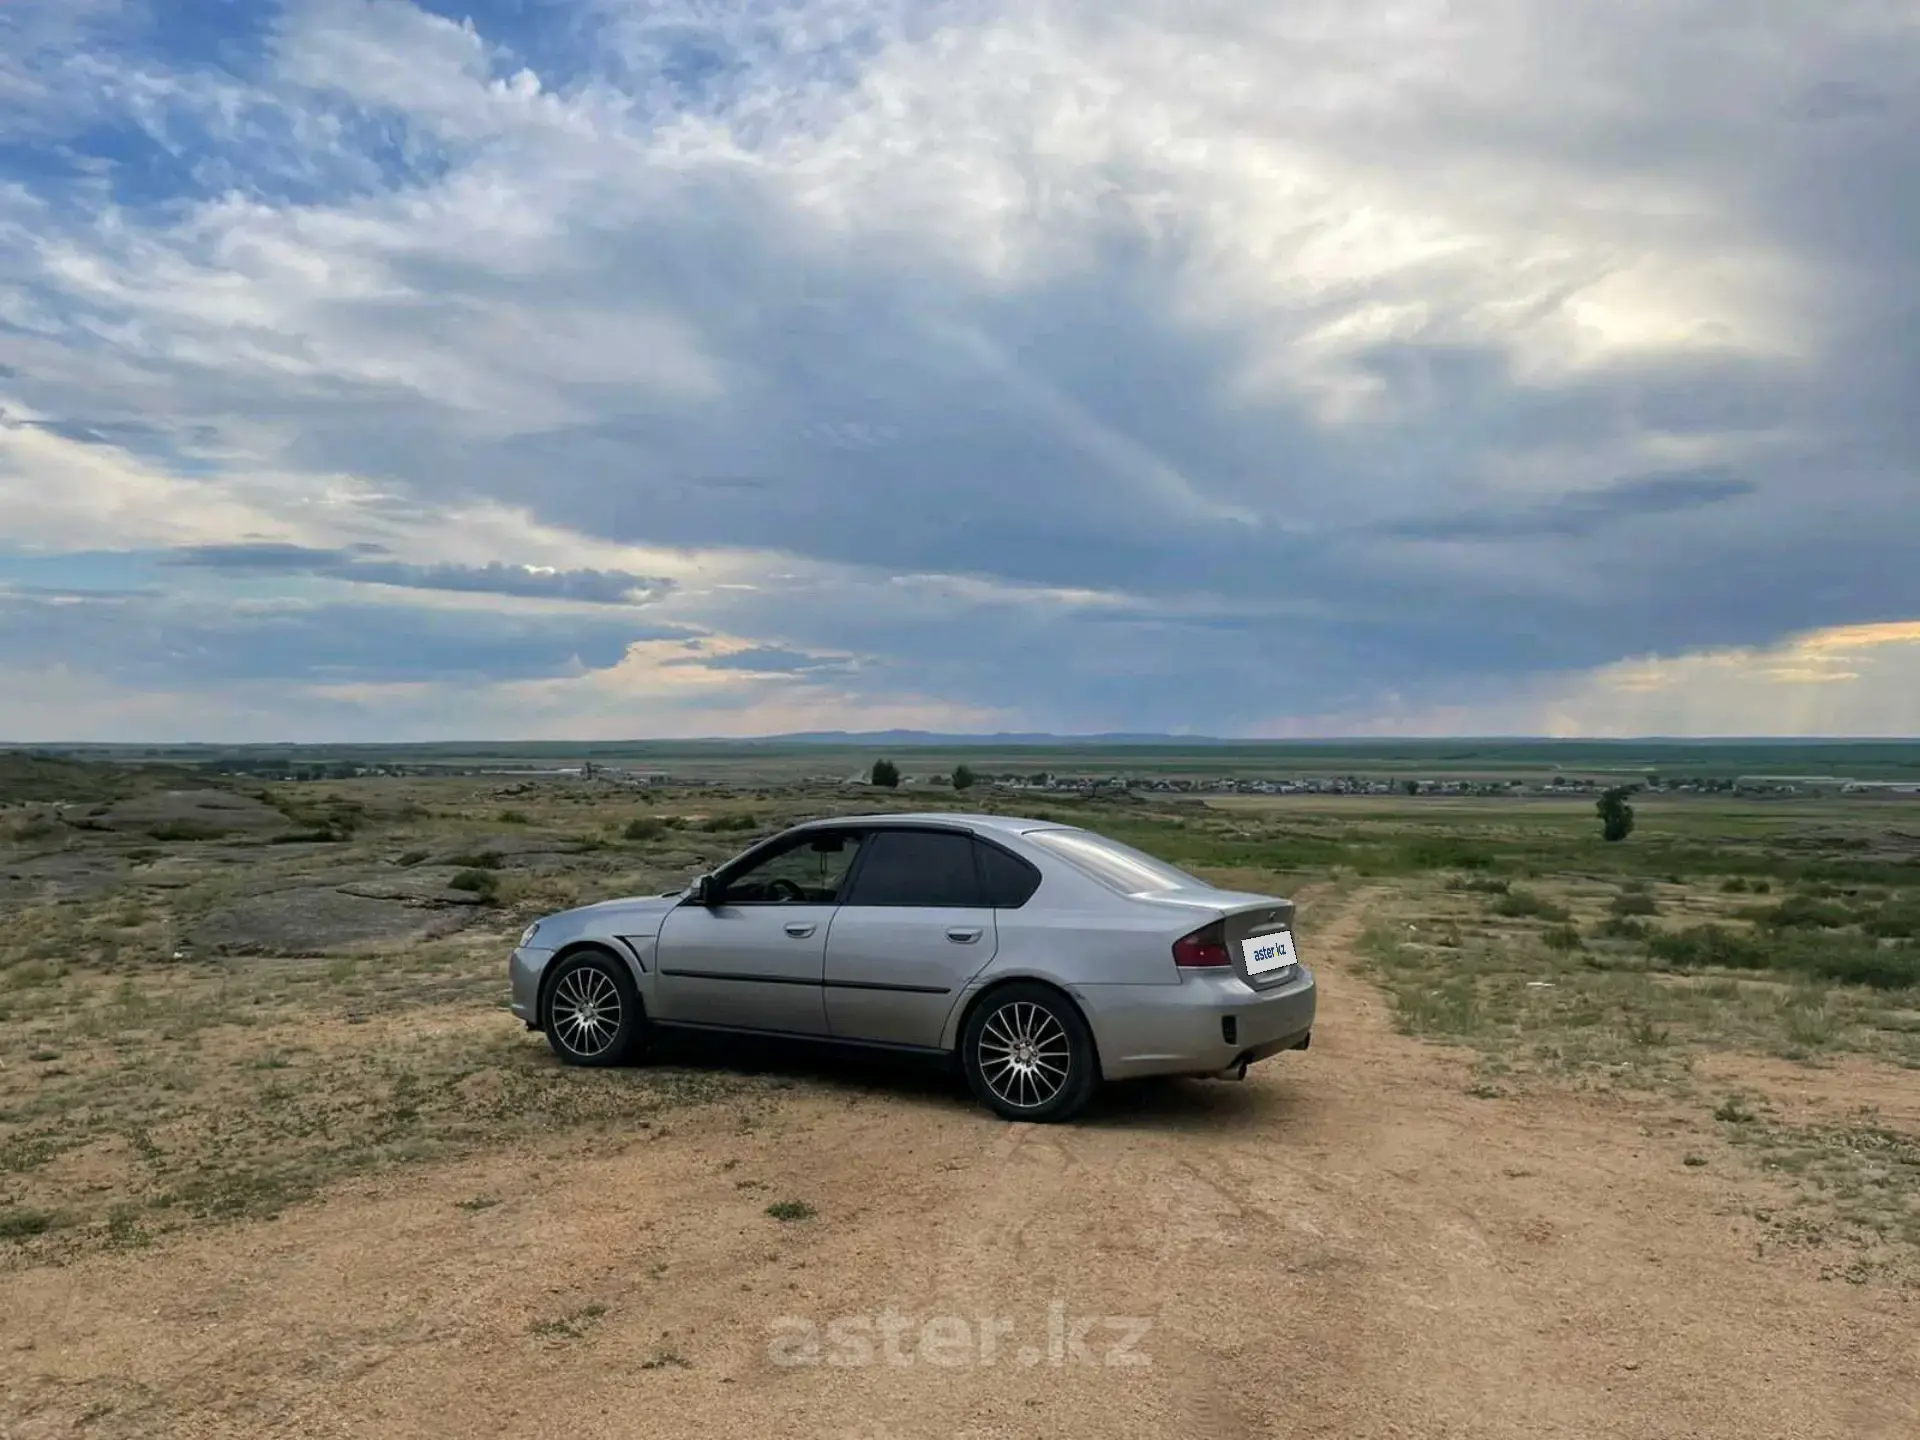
(1006, 881)
(916, 867)
(1120, 867)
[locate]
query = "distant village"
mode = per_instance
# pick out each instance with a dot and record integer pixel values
(1117, 784)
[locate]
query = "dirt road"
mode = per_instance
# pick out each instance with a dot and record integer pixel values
(1347, 1244)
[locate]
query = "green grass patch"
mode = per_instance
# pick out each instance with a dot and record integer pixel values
(1520, 904)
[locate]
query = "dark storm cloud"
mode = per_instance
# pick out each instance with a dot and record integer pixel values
(184, 646)
(360, 565)
(1581, 515)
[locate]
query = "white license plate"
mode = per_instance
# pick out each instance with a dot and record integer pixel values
(1267, 953)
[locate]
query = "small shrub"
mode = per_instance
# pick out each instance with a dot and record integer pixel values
(478, 860)
(514, 817)
(1733, 1111)
(412, 858)
(1525, 905)
(1763, 887)
(1620, 927)
(722, 824)
(22, 1224)
(1563, 938)
(1634, 902)
(483, 883)
(185, 830)
(1482, 885)
(1896, 920)
(1648, 1035)
(1705, 945)
(1733, 886)
(791, 1210)
(645, 827)
(1801, 912)
(1445, 852)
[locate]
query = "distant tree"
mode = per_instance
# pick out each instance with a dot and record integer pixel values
(962, 778)
(1412, 787)
(1616, 815)
(885, 773)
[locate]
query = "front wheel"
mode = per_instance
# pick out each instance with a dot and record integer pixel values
(1028, 1055)
(592, 1011)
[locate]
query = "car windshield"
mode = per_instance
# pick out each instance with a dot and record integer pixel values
(1118, 866)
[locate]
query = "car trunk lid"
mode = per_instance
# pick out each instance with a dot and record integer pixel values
(1257, 920)
(1241, 917)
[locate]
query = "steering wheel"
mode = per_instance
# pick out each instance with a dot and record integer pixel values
(785, 890)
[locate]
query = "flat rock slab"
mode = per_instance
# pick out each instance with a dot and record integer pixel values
(321, 920)
(66, 875)
(509, 847)
(191, 812)
(429, 884)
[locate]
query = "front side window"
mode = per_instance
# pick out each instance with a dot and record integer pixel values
(1120, 867)
(807, 872)
(917, 867)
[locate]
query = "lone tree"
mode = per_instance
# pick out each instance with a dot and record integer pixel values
(1616, 815)
(962, 778)
(1412, 787)
(886, 773)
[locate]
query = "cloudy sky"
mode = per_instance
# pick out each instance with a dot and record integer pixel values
(595, 368)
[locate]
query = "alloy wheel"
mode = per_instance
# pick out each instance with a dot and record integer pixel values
(1025, 1055)
(587, 1011)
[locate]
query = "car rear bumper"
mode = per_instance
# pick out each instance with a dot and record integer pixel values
(1205, 1025)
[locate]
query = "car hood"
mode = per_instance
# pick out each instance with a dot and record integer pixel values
(632, 916)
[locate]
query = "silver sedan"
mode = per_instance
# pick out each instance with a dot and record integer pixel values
(1044, 957)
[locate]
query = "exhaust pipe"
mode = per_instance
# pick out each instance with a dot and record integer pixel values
(1236, 1071)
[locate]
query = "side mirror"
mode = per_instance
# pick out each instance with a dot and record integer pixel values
(704, 892)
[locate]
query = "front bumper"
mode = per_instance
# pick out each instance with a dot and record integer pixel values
(1205, 1025)
(524, 969)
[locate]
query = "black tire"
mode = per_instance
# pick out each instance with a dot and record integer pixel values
(578, 1010)
(1015, 1042)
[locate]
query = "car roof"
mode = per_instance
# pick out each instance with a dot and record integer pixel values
(1009, 824)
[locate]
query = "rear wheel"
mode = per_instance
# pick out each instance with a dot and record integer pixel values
(591, 1012)
(1028, 1054)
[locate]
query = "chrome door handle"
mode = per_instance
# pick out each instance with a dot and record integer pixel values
(799, 930)
(963, 937)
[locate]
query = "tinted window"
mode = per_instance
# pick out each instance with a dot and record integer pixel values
(807, 872)
(1118, 866)
(1007, 882)
(916, 867)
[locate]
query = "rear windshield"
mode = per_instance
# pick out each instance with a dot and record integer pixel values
(1120, 867)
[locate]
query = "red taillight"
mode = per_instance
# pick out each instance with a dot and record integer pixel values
(1204, 949)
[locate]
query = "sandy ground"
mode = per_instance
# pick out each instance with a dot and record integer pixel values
(1347, 1244)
